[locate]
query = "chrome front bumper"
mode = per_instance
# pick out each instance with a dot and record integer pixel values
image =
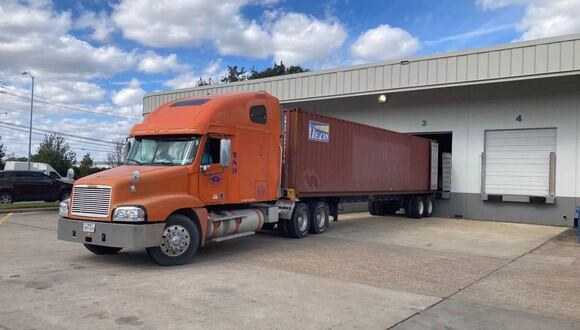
(111, 234)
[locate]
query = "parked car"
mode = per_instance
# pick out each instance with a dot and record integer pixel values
(21, 186)
(39, 167)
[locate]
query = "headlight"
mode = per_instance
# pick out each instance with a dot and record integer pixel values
(129, 214)
(63, 208)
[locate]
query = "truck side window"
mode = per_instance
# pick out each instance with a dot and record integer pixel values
(211, 152)
(258, 114)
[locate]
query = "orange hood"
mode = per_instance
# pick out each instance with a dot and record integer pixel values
(156, 185)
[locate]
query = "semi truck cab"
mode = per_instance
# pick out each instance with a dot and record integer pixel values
(185, 162)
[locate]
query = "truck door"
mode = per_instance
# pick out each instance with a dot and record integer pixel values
(213, 175)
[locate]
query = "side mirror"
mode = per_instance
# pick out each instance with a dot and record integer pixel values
(126, 148)
(70, 174)
(225, 148)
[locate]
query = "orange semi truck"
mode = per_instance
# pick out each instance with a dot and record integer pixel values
(207, 169)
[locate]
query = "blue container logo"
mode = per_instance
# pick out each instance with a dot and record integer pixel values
(318, 131)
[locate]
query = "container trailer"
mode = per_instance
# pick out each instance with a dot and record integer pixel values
(206, 169)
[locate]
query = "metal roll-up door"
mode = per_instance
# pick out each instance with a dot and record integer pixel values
(519, 162)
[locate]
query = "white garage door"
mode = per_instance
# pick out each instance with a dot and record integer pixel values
(517, 162)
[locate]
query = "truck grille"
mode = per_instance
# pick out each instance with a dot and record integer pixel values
(91, 201)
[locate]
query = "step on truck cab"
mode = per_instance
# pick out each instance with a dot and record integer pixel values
(207, 169)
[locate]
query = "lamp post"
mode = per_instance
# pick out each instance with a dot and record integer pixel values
(26, 73)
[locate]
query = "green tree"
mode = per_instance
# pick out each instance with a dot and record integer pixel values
(234, 74)
(55, 151)
(2, 155)
(276, 70)
(85, 165)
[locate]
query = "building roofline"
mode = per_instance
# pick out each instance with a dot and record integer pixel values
(472, 51)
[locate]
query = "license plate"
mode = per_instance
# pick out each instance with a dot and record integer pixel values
(88, 227)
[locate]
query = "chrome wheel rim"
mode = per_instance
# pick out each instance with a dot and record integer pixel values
(175, 241)
(429, 207)
(421, 207)
(302, 221)
(5, 199)
(320, 218)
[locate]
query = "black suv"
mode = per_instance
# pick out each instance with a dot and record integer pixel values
(21, 186)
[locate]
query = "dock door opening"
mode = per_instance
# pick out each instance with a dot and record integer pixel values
(445, 141)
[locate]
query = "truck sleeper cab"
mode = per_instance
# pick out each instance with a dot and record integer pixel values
(207, 169)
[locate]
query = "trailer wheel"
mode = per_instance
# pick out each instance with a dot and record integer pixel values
(98, 249)
(179, 242)
(299, 223)
(415, 207)
(319, 212)
(428, 207)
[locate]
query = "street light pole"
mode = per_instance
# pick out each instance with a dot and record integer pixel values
(26, 73)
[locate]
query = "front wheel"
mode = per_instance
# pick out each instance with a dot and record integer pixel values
(179, 242)
(100, 250)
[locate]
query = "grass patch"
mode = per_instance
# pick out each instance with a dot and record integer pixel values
(28, 205)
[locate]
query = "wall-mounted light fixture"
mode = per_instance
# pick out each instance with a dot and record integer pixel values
(382, 98)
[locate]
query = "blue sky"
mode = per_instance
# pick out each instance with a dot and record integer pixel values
(94, 60)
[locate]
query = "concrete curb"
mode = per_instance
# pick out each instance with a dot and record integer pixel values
(25, 210)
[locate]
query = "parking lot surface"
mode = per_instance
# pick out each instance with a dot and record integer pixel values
(365, 272)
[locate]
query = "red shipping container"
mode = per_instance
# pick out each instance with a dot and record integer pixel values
(325, 156)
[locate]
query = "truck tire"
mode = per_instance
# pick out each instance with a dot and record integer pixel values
(299, 223)
(6, 197)
(415, 207)
(429, 205)
(179, 242)
(100, 250)
(319, 213)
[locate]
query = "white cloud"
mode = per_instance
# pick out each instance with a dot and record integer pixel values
(298, 38)
(384, 42)
(183, 81)
(292, 37)
(70, 91)
(550, 18)
(212, 71)
(131, 95)
(100, 23)
(37, 39)
(495, 4)
(542, 18)
(154, 63)
(167, 23)
(244, 39)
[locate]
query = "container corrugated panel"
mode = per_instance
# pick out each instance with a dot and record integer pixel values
(325, 156)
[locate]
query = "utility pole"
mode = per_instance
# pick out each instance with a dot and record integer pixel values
(26, 73)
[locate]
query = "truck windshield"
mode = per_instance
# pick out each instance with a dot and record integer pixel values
(163, 150)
